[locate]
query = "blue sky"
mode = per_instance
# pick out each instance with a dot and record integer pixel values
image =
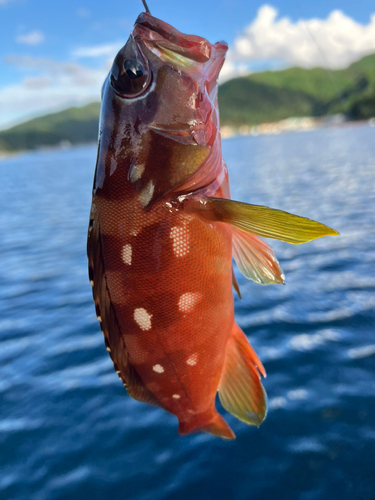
(55, 53)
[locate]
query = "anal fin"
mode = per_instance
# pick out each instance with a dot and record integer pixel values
(240, 389)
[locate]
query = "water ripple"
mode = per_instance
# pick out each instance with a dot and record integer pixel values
(67, 427)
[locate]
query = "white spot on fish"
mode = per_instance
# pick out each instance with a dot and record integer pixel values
(188, 301)
(146, 194)
(113, 166)
(181, 240)
(108, 349)
(91, 283)
(126, 254)
(176, 396)
(142, 318)
(99, 318)
(192, 360)
(186, 218)
(137, 172)
(158, 369)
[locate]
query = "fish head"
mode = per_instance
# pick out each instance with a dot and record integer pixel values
(159, 119)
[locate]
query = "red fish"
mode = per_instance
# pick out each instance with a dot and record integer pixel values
(163, 231)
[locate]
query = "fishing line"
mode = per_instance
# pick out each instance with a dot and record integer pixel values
(146, 7)
(322, 55)
(325, 62)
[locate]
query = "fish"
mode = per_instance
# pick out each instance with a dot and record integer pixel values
(163, 232)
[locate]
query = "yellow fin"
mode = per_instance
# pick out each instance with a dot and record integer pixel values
(240, 389)
(263, 221)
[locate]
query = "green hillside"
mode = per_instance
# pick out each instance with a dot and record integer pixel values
(274, 95)
(244, 101)
(257, 98)
(76, 125)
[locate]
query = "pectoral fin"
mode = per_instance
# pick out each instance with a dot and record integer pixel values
(263, 221)
(255, 259)
(240, 389)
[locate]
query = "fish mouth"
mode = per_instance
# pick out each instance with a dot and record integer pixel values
(171, 132)
(163, 36)
(199, 133)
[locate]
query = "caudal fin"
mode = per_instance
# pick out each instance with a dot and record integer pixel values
(218, 427)
(240, 388)
(211, 422)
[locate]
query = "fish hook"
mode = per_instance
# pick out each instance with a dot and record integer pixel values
(146, 6)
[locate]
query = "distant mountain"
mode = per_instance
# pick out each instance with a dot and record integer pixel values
(274, 95)
(76, 125)
(257, 98)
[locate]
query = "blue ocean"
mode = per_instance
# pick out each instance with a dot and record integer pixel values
(68, 430)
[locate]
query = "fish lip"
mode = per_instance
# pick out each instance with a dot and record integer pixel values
(157, 32)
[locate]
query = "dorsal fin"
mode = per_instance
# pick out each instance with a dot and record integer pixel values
(114, 340)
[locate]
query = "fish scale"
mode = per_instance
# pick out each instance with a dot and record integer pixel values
(163, 231)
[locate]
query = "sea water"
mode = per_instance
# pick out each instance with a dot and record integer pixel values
(68, 430)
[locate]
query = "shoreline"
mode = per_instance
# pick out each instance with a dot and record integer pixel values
(293, 124)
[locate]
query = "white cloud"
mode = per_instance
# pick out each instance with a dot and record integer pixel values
(32, 38)
(104, 50)
(334, 42)
(232, 69)
(48, 86)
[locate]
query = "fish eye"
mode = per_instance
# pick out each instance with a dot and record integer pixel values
(130, 74)
(134, 69)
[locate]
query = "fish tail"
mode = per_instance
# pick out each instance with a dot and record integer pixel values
(219, 428)
(211, 422)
